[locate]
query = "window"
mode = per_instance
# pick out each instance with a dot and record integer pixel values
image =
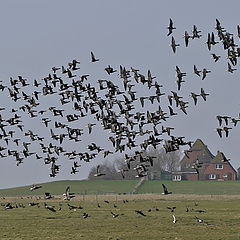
(188, 165)
(225, 175)
(219, 166)
(177, 178)
(212, 176)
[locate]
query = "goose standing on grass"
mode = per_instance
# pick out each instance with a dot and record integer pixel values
(174, 219)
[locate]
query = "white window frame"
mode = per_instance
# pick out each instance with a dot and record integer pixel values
(218, 166)
(177, 178)
(212, 176)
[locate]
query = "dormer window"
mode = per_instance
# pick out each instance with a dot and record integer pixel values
(219, 166)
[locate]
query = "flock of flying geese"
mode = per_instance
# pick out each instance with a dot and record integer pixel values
(133, 121)
(233, 53)
(67, 196)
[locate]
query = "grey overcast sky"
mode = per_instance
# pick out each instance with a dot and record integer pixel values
(37, 35)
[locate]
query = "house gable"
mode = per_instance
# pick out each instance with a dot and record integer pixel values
(219, 169)
(198, 152)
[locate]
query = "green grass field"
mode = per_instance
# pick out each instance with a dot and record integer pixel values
(193, 187)
(221, 220)
(77, 186)
(125, 186)
(219, 200)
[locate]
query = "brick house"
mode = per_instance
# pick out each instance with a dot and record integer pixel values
(212, 167)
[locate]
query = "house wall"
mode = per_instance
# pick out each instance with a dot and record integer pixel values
(227, 169)
(190, 176)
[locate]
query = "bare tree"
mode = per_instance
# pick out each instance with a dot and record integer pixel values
(119, 169)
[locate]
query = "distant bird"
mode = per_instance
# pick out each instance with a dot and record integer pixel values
(196, 71)
(114, 215)
(226, 129)
(98, 174)
(109, 70)
(174, 45)
(203, 94)
(230, 69)
(219, 131)
(205, 71)
(93, 59)
(186, 38)
(140, 213)
(50, 208)
(67, 195)
(35, 187)
(215, 57)
(170, 27)
(85, 215)
(48, 195)
(174, 219)
(171, 208)
(235, 121)
(199, 220)
(195, 32)
(194, 96)
(238, 31)
(219, 118)
(171, 112)
(165, 191)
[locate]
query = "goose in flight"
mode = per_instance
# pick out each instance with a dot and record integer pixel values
(50, 208)
(98, 174)
(174, 45)
(226, 129)
(109, 70)
(235, 121)
(171, 208)
(203, 94)
(195, 32)
(215, 57)
(219, 118)
(194, 96)
(35, 187)
(197, 72)
(93, 59)
(230, 69)
(67, 195)
(186, 38)
(219, 131)
(165, 191)
(170, 27)
(114, 215)
(205, 71)
(140, 213)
